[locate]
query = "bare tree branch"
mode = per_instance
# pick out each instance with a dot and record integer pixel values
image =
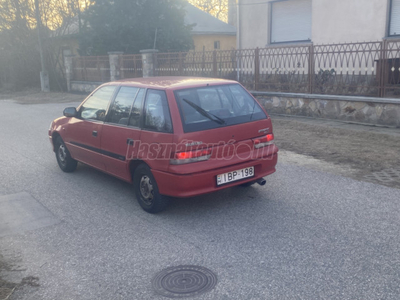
(216, 8)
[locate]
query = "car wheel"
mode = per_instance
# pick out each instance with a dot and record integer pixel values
(64, 159)
(146, 190)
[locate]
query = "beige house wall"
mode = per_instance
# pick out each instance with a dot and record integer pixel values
(344, 21)
(64, 43)
(227, 42)
(333, 21)
(254, 24)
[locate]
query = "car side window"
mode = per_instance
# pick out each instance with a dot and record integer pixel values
(157, 116)
(134, 119)
(95, 107)
(121, 106)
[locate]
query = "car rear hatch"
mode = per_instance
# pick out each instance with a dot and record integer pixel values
(223, 126)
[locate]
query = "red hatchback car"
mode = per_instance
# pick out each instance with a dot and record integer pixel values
(169, 136)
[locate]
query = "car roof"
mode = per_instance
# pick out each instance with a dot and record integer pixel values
(172, 82)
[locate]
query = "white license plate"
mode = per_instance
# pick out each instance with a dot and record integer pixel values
(235, 175)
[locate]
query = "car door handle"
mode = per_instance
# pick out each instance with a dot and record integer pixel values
(129, 142)
(94, 133)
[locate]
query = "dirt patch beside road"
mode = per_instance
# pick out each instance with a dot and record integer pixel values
(353, 151)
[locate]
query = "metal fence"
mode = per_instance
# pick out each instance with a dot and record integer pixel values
(91, 68)
(131, 66)
(348, 69)
(389, 69)
(358, 69)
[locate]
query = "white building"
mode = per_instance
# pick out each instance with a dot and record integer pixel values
(266, 22)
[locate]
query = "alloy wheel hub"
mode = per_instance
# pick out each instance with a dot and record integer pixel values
(146, 189)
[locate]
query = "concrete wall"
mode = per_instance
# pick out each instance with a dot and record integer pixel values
(353, 109)
(333, 21)
(84, 86)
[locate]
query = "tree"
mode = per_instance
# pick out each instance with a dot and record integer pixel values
(16, 42)
(131, 26)
(19, 54)
(216, 8)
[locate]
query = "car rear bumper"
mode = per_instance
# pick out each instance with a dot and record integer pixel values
(195, 184)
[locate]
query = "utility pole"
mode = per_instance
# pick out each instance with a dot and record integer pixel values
(44, 76)
(155, 39)
(238, 40)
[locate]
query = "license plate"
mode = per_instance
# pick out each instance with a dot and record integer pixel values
(235, 175)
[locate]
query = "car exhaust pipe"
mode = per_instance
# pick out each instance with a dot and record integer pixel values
(261, 181)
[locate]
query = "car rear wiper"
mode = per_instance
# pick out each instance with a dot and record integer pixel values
(205, 113)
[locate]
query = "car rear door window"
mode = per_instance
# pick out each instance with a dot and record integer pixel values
(134, 119)
(95, 107)
(121, 107)
(157, 116)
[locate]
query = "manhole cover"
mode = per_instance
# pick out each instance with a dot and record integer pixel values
(184, 281)
(388, 175)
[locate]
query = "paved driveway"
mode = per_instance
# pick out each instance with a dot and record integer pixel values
(306, 234)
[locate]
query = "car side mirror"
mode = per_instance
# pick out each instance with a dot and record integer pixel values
(70, 112)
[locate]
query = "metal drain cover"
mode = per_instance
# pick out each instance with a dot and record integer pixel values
(388, 175)
(184, 281)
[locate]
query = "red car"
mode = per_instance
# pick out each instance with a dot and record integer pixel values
(169, 136)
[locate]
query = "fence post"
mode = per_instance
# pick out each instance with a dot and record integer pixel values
(98, 67)
(84, 73)
(135, 66)
(382, 69)
(121, 66)
(237, 63)
(68, 70)
(311, 68)
(170, 65)
(115, 68)
(215, 66)
(256, 68)
(203, 62)
(180, 57)
(149, 59)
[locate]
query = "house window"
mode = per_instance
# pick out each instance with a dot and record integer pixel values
(291, 21)
(394, 24)
(217, 45)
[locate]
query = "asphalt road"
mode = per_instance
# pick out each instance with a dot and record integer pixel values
(306, 234)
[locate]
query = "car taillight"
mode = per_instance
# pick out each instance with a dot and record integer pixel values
(191, 156)
(263, 141)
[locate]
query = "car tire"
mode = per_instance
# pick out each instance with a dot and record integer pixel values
(146, 190)
(64, 159)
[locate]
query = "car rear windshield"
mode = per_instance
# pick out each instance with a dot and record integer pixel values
(211, 107)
